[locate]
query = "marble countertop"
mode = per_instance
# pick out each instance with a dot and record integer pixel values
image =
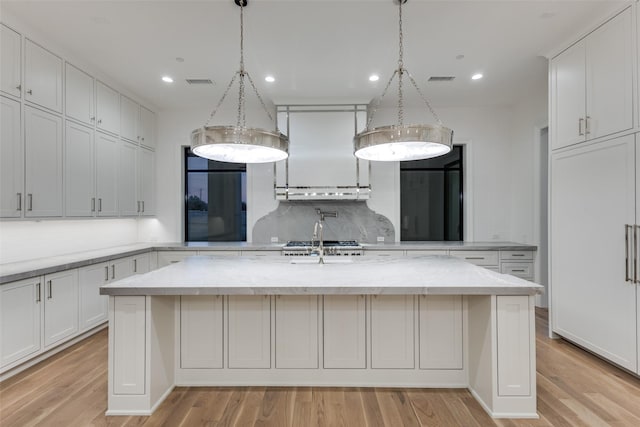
(428, 274)
(10, 272)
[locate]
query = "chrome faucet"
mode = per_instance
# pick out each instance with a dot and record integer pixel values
(317, 233)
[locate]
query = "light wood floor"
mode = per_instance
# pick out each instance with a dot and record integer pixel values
(70, 389)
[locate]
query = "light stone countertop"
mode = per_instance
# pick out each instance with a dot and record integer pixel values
(428, 274)
(10, 272)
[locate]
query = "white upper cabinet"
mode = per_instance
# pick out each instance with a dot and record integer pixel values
(146, 182)
(11, 160)
(591, 85)
(43, 162)
(129, 116)
(106, 160)
(79, 170)
(147, 127)
(127, 189)
(10, 61)
(79, 103)
(42, 77)
(107, 108)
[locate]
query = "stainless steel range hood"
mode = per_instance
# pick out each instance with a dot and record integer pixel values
(321, 164)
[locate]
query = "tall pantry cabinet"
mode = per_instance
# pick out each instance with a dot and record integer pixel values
(595, 194)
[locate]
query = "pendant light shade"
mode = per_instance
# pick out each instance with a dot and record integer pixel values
(402, 142)
(239, 143)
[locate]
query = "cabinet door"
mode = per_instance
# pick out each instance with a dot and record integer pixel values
(609, 77)
(129, 117)
(141, 263)
(592, 198)
(20, 308)
(107, 149)
(170, 257)
(129, 345)
(146, 173)
(201, 339)
(147, 127)
(568, 97)
(440, 332)
(513, 337)
(94, 308)
(79, 171)
(392, 331)
(43, 160)
(297, 331)
(120, 269)
(107, 108)
(42, 77)
(10, 60)
(11, 160)
(127, 179)
(344, 331)
(60, 306)
(249, 331)
(79, 95)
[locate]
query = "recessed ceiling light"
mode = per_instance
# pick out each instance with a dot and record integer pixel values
(476, 76)
(374, 78)
(270, 79)
(167, 79)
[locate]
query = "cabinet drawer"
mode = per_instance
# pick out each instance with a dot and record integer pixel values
(384, 253)
(425, 252)
(256, 252)
(477, 257)
(516, 255)
(523, 270)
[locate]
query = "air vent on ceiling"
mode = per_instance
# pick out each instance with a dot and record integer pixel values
(441, 78)
(200, 81)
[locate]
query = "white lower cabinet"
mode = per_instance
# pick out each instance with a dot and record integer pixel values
(440, 327)
(94, 308)
(141, 263)
(513, 345)
(171, 257)
(130, 342)
(344, 331)
(201, 332)
(249, 331)
(296, 331)
(20, 313)
(60, 306)
(392, 332)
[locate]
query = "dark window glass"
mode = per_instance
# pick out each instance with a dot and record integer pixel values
(215, 200)
(431, 198)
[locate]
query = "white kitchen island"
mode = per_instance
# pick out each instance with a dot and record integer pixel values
(423, 321)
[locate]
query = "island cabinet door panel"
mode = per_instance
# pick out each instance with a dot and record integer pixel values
(201, 339)
(392, 332)
(514, 356)
(94, 307)
(129, 344)
(296, 331)
(249, 331)
(60, 306)
(440, 331)
(344, 331)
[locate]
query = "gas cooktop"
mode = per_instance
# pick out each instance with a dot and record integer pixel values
(327, 243)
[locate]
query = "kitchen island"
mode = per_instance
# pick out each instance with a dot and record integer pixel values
(423, 321)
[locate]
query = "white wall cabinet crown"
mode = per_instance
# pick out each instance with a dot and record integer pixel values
(11, 159)
(10, 61)
(42, 77)
(592, 85)
(43, 161)
(79, 95)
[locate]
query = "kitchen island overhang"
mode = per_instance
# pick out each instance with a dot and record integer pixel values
(423, 321)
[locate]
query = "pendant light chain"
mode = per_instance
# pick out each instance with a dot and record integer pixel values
(242, 116)
(401, 69)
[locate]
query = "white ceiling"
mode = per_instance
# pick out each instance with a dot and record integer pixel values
(318, 50)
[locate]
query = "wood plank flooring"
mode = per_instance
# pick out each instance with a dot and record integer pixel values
(70, 389)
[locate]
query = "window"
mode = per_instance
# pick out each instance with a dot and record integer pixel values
(431, 198)
(215, 200)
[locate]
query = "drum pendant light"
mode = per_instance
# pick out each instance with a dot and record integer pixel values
(239, 143)
(402, 142)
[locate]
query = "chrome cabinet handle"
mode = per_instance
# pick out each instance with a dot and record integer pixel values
(100, 205)
(30, 202)
(19, 88)
(138, 205)
(30, 92)
(635, 254)
(135, 265)
(143, 206)
(39, 297)
(93, 118)
(580, 124)
(106, 273)
(587, 127)
(93, 204)
(113, 271)
(19, 201)
(627, 276)
(50, 290)
(99, 121)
